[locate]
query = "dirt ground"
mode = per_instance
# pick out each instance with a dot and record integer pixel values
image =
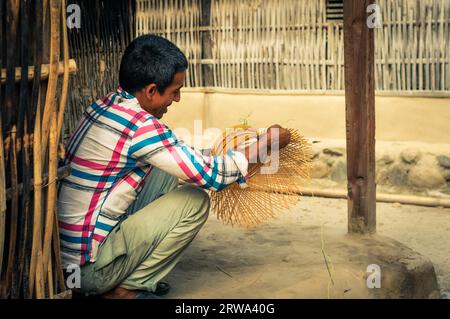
(264, 262)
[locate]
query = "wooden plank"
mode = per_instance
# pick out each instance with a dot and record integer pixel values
(360, 117)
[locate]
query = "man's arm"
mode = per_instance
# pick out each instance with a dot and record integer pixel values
(155, 144)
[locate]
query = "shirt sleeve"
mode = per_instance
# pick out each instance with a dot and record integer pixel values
(155, 144)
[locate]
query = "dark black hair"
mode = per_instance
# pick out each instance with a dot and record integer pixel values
(150, 59)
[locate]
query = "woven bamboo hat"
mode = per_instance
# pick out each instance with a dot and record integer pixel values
(273, 187)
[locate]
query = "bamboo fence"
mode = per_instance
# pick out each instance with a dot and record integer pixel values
(34, 119)
(36, 78)
(106, 28)
(298, 44)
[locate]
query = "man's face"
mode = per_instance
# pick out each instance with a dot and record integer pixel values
(157, 104)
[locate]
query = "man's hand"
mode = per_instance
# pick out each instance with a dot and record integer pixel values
(278, 135)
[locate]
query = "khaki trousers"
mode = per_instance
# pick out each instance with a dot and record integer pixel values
(147, 245)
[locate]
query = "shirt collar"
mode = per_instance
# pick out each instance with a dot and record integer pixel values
(125, 94)
(127, 100)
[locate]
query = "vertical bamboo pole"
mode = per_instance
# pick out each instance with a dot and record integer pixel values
(2, 198)
(413, 46)
(408, 46)
(402, 47)
(385, 51)
(65, 84)
(221, 39)
(57, 256)
(395, 46)
(421, 27)
(198, 48)
(36, 264)
(53, 73)
(62, 105)
(2, 168)
(360, 117)
(12, 14)
(22, 129)
(442, 41)
(56, 119)
(429, 48)
(447, 47)
(214, 38)
(255, 56)
(34, 105)
(51, 195)
(53, 143)
(36, 267)
(49, 273)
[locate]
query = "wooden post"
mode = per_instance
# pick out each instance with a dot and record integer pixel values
(207, 71)
(360, 117)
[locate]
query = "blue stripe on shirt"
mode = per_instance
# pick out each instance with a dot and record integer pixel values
(138, 146)
(91, 177)
(73, 239)
(117, 118)
(210, 180)
(104, 227)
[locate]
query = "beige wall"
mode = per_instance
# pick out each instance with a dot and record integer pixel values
(323, 116)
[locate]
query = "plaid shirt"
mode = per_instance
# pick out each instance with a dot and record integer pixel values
(113, 149)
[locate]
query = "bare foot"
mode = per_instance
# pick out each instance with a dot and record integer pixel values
(120, 293)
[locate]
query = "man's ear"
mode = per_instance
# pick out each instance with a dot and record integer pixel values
(150, 90)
